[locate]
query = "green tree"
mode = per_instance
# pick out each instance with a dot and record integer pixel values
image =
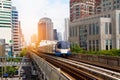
(23, 52)
(76, 49)
(10, 70)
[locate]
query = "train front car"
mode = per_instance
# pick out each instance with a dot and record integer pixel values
(62, 48)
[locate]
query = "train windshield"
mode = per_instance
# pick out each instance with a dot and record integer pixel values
(63, 45)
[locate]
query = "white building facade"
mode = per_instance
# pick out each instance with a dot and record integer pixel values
(5, 23)
(97, 32)
(16, 34)
(66, 31)
(109, 5)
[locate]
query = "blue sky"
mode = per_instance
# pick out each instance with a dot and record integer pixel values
(30, 11)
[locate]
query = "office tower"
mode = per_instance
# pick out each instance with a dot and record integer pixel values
(5, 23)
(45, 29)
(59, 34)
(55, 34)
(66, 32)
(34, 38)
(16, 33)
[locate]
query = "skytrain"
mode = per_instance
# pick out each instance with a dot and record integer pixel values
(58, 48)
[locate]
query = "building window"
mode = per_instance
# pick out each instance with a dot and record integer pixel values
(109, 15)
(117, 6)
(110, 28)
(118, 1)
(89, 29)
(70, 32)
(90, 45)
(106, 28)
(94, 29)
(73, 32)
(93, 45)
(97, 45)
(97, 28)
(106, 44)
(110, 44)
(76, 32)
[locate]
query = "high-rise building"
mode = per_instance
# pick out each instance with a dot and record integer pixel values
(23, 43)
(55, 37)
(97, 6)
(59, 34)
(109, 5)
(5, 20)
(34, 38)
(66, 32)
(97, 32)
(100, 31)
(16, 34)
(81, 8)
(45, 29)
(5, 23)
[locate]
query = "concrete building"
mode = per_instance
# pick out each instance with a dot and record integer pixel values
(23, 43)
(100, 31)
(66, 32)
(55, 37)
(22, 40)
(81, 8)
(45, 29)
(34, 38)
(16, 34)
(109, 5)
(97, 6)
(5, 23)
(97, 32)
(59, 34)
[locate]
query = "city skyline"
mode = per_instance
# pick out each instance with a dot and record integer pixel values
(30, 14)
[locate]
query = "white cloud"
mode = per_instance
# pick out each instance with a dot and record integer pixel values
(31, 11)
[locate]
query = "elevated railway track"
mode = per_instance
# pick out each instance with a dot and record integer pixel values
(81, 71)
(107, 62)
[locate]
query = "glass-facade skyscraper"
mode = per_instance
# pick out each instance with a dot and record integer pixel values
(5, 20)
(5, 23)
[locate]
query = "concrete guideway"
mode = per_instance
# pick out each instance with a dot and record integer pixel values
(12, 63)
(11, 79)
(47, 71)
(15, 64)
(98, 71)
(25, 62)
